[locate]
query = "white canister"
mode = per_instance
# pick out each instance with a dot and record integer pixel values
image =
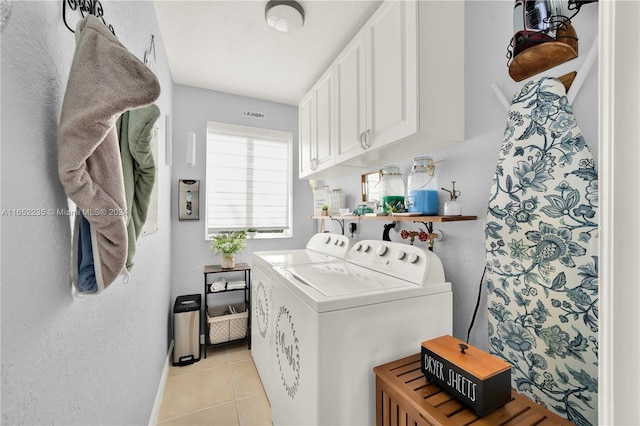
(321, 197)
(336, 201)
(453, 208)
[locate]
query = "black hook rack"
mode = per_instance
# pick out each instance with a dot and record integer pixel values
(387, 228)
(85, 7)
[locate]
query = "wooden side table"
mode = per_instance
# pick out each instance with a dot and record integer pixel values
(405, 397)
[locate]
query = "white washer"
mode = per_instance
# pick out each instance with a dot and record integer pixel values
(333, 322)
(321, 248)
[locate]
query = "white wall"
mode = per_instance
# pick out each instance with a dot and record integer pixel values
(488, 29)
(619, 375)
(96, 360)
(193, 107)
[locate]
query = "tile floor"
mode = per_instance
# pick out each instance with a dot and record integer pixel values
(223, 389)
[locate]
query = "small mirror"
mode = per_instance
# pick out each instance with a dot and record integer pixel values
(370, 186)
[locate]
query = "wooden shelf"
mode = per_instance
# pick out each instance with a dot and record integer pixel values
(401, 218)
(215, 269)
(391, 222)
(401, 387)
(427, 221)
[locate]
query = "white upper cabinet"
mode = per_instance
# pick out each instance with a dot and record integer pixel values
(316, 127)
(391, 74)
(351, 100)
(399, 87)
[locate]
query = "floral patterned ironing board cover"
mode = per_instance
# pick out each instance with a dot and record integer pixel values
(542, 254)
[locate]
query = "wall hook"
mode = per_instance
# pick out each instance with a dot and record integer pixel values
(151, 53)
(387, 228)
(85, 7)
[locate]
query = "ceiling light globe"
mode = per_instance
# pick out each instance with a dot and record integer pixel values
(284, 16)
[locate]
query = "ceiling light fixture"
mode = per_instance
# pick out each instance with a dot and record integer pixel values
(285, 16)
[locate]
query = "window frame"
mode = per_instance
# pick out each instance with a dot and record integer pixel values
(250, 132)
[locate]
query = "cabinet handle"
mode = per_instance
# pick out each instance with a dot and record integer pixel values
(365, 139)
(314, 164)
(361, 140)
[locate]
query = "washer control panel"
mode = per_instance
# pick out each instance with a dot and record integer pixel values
(400, 260)
(330, 244)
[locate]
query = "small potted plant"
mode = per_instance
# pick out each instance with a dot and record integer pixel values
(228, 244)
(251, 232)
(325, 210)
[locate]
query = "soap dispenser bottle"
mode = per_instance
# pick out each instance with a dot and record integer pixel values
(453, 207)
(422, 191)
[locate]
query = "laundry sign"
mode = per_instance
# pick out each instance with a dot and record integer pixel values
(254, 114)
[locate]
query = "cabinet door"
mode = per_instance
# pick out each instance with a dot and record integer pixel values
(305, 135)
(322, 143)
(350, 106)
(392, 85)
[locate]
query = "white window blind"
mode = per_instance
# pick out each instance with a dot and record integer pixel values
(249, 179)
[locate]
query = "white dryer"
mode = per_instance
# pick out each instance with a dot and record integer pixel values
(321, 248)
(333, 322)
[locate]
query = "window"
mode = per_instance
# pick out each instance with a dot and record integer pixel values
(249, 180)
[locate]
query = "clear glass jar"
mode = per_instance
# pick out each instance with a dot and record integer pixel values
(336, 201)
(392, 190)
(423, 187)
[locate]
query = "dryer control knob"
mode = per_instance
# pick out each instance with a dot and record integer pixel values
(358, 247)
(401, 254)
(382, 250)
(340, 243)
(365, 247)
(413, 258)
(327, 239)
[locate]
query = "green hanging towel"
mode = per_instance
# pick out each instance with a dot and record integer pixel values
(136, 130)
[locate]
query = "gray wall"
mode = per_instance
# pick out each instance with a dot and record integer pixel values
(193, 107)
(95, 360)
(488, 29)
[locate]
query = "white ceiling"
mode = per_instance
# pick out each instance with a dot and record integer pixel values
(227, 46)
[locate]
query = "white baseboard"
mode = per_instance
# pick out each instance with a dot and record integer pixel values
(153, 420)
